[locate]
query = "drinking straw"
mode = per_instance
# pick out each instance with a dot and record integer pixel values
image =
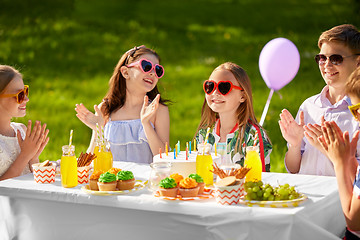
(255, 139)
(98, 132)
(206, 138)
(70, 140)
(215, 149)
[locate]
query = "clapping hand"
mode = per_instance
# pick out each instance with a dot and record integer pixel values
(88, 118)
(313, 132)
(35, 140)
(336, 144)
(149, 110)
(292, 131)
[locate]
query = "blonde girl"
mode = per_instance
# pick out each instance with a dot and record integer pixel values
(228, 111)
(135, 117)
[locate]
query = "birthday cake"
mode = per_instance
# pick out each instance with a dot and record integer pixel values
(179, 163)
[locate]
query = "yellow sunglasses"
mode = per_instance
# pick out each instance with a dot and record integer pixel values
(353, 109)
(20, 96)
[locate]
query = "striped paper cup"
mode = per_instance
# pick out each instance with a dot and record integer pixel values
(229, 195)
(44, 174)
(83, 174)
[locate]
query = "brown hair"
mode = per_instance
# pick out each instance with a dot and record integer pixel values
(245, 111)
(352, 86)
(116, 96)
(7, 73)
(347, 34)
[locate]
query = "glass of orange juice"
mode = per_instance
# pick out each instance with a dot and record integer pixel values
(204, 163)
(68, 167)
(253, 161)
(104, 158)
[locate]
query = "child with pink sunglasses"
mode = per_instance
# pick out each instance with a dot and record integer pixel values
(135, 118)
(20, 146)
(341, 151)
(228, 111)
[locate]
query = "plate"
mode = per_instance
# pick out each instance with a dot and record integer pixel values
(208, 193)
(139, 184)
(275, 204)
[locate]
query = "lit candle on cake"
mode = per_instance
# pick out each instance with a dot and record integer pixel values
(166, 148)
(174, 153)
(176, 150)
(160, 152)
(187, 149)
(194, 144)
(190, 146)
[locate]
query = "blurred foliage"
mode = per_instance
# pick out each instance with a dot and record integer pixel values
(67, 49)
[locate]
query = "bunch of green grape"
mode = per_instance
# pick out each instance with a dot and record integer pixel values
(260, 192)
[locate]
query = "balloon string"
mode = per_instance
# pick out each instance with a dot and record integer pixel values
(266, 108)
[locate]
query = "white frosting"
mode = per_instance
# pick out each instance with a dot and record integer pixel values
(180, 165)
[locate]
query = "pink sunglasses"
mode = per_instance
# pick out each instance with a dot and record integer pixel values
(147, 66)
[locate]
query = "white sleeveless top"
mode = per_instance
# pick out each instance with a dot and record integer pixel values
(10, 149)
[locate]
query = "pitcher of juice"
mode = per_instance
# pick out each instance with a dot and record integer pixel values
(253, 161)
(104, 158)
(68, 167)
(204, 163)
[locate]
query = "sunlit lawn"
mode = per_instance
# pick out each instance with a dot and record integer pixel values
(67, 50)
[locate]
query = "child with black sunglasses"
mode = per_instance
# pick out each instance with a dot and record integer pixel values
(20, 146)
(135, 118)
(341, 151)
(338, 57)
(228, 112)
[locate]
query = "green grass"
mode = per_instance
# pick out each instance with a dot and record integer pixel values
(67, 50)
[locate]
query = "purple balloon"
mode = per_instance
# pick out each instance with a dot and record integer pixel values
(279, 62)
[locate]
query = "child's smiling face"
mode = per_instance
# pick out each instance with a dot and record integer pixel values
(220, 103)
(336, 75)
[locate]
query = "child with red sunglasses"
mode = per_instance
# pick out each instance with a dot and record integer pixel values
(135, 118)
(228, 111)
(20, 146)
(341, 151)
(338, 58)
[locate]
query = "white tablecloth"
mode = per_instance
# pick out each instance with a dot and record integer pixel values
(48, 211)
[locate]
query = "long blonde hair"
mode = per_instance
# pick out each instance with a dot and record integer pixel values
(245, 111)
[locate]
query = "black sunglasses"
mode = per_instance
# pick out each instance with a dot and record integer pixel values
(335, 59)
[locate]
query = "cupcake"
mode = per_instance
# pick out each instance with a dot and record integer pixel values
(94, 179)
(177, 177)
(199, 180)
(114, 170)
(168, 187)
(125, 180)
(107, 182)
(188, 187)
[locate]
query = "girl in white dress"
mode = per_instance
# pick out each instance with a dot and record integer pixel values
(20, 146)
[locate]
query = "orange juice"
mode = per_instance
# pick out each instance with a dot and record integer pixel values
(103, 161)
(253, 161)
(68, 167)
(204, 164)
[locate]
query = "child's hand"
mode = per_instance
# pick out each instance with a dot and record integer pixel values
(292, 132)
(35, 140)
(88, 118)
(336, 144)
(149, 110)
(312, 134)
